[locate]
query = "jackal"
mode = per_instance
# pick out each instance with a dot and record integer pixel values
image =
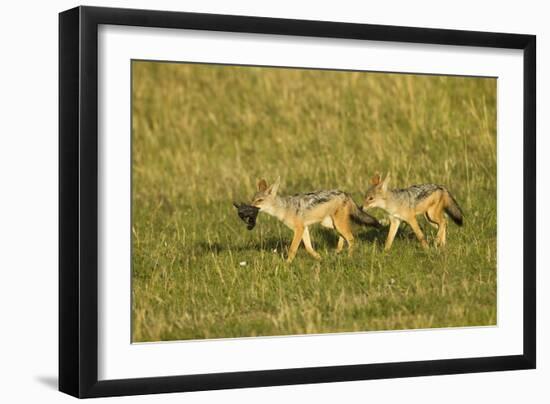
(404, 204)
(332, 209)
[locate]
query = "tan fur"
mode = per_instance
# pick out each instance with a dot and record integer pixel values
(333, 214)
(333, 211)
(342, 223)
(403, 206)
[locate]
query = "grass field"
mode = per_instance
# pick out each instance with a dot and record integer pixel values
(203, 135)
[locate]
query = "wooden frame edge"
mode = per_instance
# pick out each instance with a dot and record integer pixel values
(78, 289)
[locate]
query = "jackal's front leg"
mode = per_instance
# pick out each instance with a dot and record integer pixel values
(298, 233)
(394, 225)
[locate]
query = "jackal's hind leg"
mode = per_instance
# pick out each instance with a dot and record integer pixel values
(340, 245)
(436, 216)
(307, 244)
(343, 226)
(418, 232)
(441, 237)
(431, 221)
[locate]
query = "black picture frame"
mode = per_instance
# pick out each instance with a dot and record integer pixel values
(78, 201)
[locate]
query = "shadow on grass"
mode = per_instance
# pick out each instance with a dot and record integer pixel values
(321, 237)
(403, 233)
(328, 238)
(266, 244)
(373, 235)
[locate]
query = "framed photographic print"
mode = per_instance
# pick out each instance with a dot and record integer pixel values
(250, 201)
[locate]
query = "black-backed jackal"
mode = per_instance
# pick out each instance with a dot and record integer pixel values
(404, 204)
(332, 209)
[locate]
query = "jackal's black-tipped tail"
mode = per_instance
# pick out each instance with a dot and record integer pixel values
(452, 209)
(361, 217)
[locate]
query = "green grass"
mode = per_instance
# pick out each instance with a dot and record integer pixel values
(203, 135)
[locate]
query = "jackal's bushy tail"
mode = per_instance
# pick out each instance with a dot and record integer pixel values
(361, 217)
(452, 208)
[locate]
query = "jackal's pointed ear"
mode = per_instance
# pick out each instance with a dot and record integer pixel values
(262, 185)
(376, 179)
(274, 187)
(386, 182)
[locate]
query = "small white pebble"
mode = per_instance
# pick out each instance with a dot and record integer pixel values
(274, 250)
(242, 263)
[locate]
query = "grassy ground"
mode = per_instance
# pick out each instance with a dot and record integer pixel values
(203, 135)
